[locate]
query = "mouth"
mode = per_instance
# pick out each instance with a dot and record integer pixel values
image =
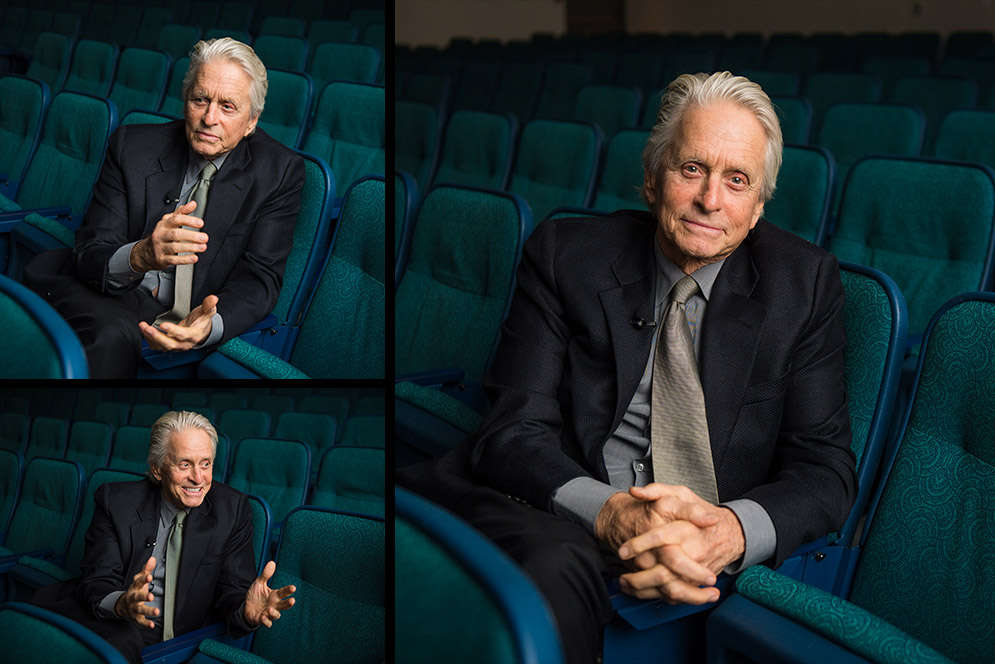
(193, 491)
(701, 226)
(204, 136)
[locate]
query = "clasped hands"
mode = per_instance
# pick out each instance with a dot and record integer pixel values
(675, 542)
(171, 244)
(263, 604)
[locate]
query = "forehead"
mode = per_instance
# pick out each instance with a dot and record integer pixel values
(724, 135)
(222, 79)
(191, 443)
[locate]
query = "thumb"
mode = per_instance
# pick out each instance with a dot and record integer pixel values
(209, 304)
(268, 571)
(149, 565)
(187, 208)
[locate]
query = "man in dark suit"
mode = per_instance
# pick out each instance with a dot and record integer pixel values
(561, 472)
(124, 588)
(120, 276)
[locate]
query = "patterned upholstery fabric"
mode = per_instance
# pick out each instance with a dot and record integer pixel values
(804, 189)
(439, 404)
(26, 638)
(287, 102)
(622, 174)
(834, 618)
(53, 228)
(352, 479)
(45, 515)
(140, 80)
(276, 470)
(28, 350)
(20, 114)
(926, 566)
(258, 361)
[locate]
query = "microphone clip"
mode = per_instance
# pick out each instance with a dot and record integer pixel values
(640, 323)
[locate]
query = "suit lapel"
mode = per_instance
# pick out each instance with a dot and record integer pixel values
(197, 533)
(731, 332)
(145, 527)
(162, 188)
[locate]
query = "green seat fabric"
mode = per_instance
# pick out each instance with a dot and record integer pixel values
(367, 430)
(621, 183)
(145, 117)
(177, 40)
(50, 227)
(282, 52)
(22, 107)
(967, 135)
(287, 26)
(33, 634)
(853, 131)
(417, 129)
(518, 89)
(344, 61)
(795, 116)
(131, 448)
(936, 96)
(258, 361)
(65, 167)
(336, 561)
(48, 438)
(351, 479)
(316, 430)
(556, 164)
(46, 513)
(50, 61)
(172, 103)
(151, 25)
(560, 89)
(262, 517)
(11, 466)
(927, 225)
(348, 131)
(287, 102)
(114, 413)
(439, 404)
(888, 67)
(823, 89)
(14, 431)
(146, 414)
(641, 69)
(140, 81)
(804, 192)
(476, 150)
(89, 445)
(611, 107)
(455, 290)
(239, 423)
(276, 470)
(774, 83)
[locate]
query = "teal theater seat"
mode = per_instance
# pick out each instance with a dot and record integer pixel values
(805, 186)
(140, 81)
(351, 479)
(23, 104)
(33, 634)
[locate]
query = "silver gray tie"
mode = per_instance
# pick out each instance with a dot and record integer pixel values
(183, 285)
(679, 429)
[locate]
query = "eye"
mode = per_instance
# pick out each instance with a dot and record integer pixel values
(691, 169)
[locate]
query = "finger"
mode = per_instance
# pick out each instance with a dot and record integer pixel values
(678, 502)
(286, 591)
(149, 565)
(659, 583)
(285, 604)
(180, 247)
(185, 209)
(157, 340)
(270, 568)
(674, 532)
(274, 614)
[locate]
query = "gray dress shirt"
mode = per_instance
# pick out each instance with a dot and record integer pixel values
(627, 451)
(121, 275)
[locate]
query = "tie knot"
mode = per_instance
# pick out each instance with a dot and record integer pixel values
(208, 172)
(684, 289)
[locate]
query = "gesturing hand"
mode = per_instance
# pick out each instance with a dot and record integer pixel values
(131, 605)
(187, 333)
(264, 604)
(169, 239)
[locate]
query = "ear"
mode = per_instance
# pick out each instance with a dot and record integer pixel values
(156, 473)
(251, 128)
(756, 215)
(649, 188)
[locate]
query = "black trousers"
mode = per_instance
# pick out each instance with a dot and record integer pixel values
(568, 564)
(107, 325)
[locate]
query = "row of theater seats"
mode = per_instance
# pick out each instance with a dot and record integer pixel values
(906, 579)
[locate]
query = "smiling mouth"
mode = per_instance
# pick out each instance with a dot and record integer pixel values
(193, 490)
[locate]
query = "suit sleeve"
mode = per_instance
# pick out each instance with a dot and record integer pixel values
(239, 570)
(253, 286)
(518, 450)
(103, 567)
(813, 479)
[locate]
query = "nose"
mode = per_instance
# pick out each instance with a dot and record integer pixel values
(210, 115)
(197, 475)
(709, 196)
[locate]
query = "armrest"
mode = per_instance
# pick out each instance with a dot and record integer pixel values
(257, 361)
(434, 377)
(9, 219)
(35, 572)
(161, 361)
(181, 648)
(212, 651)
(439, 404)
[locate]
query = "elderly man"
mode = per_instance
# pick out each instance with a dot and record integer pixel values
(173, 553)
(187, 236)
(668, 395)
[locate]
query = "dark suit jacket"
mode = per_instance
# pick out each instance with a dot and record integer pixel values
(217, 564)
(570, 359)
(251, 211)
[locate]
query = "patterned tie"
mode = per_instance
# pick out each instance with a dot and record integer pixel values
(679, 430)
(173, 547)
(183, 285)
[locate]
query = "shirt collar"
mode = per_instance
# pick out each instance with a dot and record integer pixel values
(167, 511)
(669, 274)
(196, 163)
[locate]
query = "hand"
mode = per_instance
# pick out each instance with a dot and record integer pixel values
(625, 516)
(187, 333)
(168, 240)
(264, 604)
(131, 605)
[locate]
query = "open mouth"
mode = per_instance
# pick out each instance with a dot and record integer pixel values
(193, 491)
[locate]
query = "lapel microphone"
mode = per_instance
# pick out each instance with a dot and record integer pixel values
(640, 323)
(149, 542)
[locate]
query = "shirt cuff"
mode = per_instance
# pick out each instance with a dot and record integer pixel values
(759, 534)
(119, 272)
(581, 499)
(106, 607)
(217, 331)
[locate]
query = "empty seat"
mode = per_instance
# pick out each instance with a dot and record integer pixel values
(286, 26)
(518, 89)
(14, 431)
(967, 135)
(239, 423)
(805, 187)
(477, 150)
(287, 103)
(621, 182)
(611, 107)
(48, 438)
(89, 445)
(22, 107)
(11, 470)
(151, 25)
(795, 116)
(177, 40)
(34, 634)
(560, 89)
(556, 164)
(366, 430)
(146, 414)
(316, 430)
(131, 449)
(823, 89)
(277, 470)
(477, 83)
(344, 61)
(417, 135)
(351, 479)
(140, 81)
(92, 68)
(936, 96)
(172, 102)
(282, 52)
(50, 61)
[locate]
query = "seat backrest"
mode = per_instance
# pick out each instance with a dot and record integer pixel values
(344, 61)
(114, 413)
(795, 116)
(621, 181)
(932, 522)
(351, 479)
(22, 108)
(89, 445)
(936, 96)
(287, 102)
(177, 40)
(77, 546)
(556, 165)
(417, 129)
(560, 89)
(322, 30)
(49, 507)
(131, 449)
(11, 471)
(282, 52)
(145, 117)
(967, 135)
(316, 430)
(457, 287)
(145, 414)
(33, 634)
(44, 346)
(853, 131)
(277, 470)
(337, 563)
(518, 89)
(823, 89)
(457, 597)
(348, 131)
(804, 192)
(405, 195)
(153, 20)
(477, 150)
(48, 438)
(262, 525)
(366, 430)
(50, 61)
(239, 423)
(611, 107)
(477, 82)
(282, 25)
(926, 224)
(349, 304)
(141, 78)
(92, 69)
(172, 102)
(14, 431)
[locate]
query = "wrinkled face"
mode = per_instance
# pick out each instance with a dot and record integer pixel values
(217, 112)
(707, 198)
(186, 471)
